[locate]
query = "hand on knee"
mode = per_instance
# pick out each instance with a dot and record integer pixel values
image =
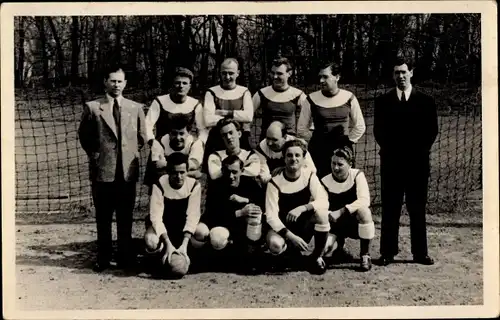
(276, 244)
(219, 238)
(364, 215)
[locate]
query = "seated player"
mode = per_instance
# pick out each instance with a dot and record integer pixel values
(174, 210)
(270, 151)
(237, 199)
(231, 134)
(297, 209)
(349, 199)
(179, 139)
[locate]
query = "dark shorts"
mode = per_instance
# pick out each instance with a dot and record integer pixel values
(345, 227)
(175, 231)
(303, 227)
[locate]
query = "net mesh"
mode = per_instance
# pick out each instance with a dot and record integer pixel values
(52, 169)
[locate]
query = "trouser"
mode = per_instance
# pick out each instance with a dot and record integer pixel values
(404, 177)
(112, 197)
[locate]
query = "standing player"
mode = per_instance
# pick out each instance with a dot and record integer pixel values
(297, 209)
(349, 199)
(270, 151)
(112, 132)
(174, 210)
(280, 101)
(227, 100)
(405, 128)
(169, 108)
(179, 139)
(332, 111)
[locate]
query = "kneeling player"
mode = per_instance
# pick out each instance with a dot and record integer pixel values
(349, 199)
(297, 208)
(237, 200)
(174, 210)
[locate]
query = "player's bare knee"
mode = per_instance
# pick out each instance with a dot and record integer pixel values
(364, 215)
(219, 238)
(151, 240)
(321, 222)
(276, 243)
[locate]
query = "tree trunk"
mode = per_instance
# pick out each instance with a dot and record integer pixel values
(19, 79)
(91, 50)
(118, 47)
(61, 77)
(40, 21)
(75, 50)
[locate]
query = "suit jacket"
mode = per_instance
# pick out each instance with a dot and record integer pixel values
(405, 130)
(98, 137)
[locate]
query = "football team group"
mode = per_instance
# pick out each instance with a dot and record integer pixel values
(291, 200)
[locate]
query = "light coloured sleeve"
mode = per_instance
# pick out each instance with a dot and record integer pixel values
(214, 166)
(209, 115)
(151, 118)
(256, 101)
(252, 166)
(309, 163)
(245, 115)
(264, 173)
(362, 194)
(196, 155)
(319, 195)
(157, 151)
(156, 210)
(200, 123)
(357, 120)
(272, 209)
(304, 122)
(193, 210)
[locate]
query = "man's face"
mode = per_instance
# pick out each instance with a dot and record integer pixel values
(115, 83)
(340, 168)
(280, 76)
(177, 138)
(294, 158)
(181, 86)
(229, 73)
(402, 76)
(177, 175)
(232, 173)
(327, 80)
(231, 137)
(275, 140)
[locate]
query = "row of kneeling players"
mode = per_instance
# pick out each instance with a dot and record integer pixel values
(295, 217)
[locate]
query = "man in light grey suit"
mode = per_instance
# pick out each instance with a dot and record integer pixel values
(112, 132)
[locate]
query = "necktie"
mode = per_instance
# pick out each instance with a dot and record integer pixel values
(403, 97)
(116, 116)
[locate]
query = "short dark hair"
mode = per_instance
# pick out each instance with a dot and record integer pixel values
(282, 61)
(344, 152)
(180, 121)
(334, 67)
(230, 160)
(227, 60)
(183, 72)
(402, 59)
(176, 159)
(114, 68)
(226, 121)
(295, 143)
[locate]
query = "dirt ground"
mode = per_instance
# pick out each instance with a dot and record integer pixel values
(54, 261)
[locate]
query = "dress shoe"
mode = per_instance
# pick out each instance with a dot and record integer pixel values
(100, 266)
(425, 260)
(318, 266)
(386, 260)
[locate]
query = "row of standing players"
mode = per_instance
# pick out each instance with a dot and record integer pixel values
(300, 209)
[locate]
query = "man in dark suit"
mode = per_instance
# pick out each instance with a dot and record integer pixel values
(112, 131)
(405, 128)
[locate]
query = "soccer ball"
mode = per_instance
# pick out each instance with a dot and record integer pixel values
(178, 264)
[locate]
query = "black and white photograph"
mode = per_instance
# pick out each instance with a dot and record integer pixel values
(255, 156)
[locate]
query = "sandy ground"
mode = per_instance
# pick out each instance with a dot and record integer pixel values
(54, 261)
